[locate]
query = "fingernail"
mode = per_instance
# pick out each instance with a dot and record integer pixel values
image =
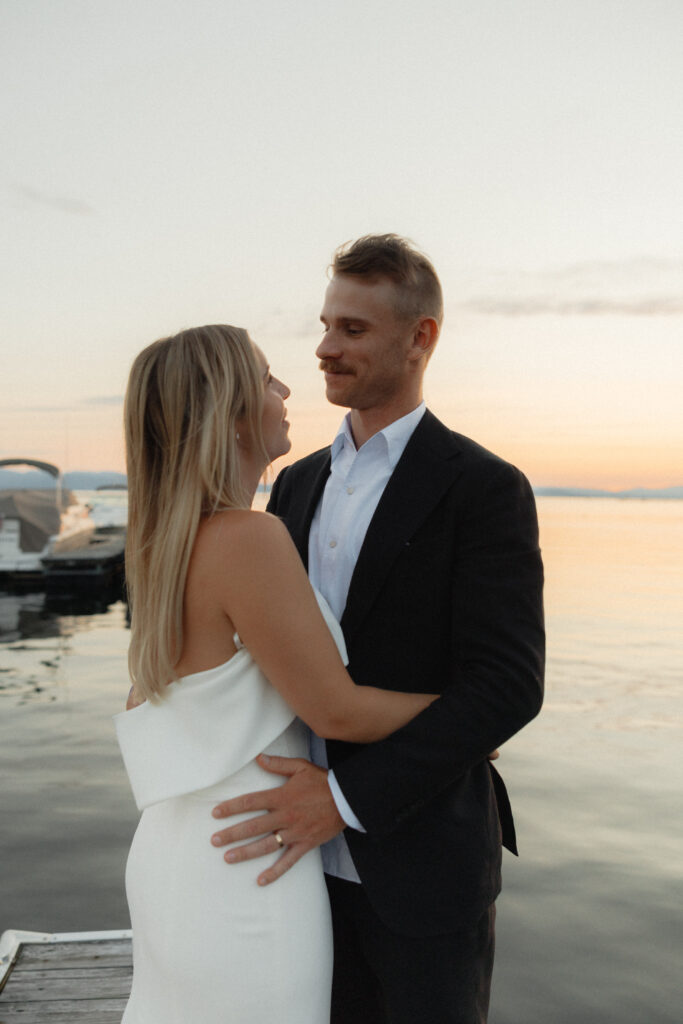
(230, 857)
(216, 812)
(264, 757)
(263, 881)
(216, 840)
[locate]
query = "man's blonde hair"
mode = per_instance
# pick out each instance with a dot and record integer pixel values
(185, 395)
(418, 290)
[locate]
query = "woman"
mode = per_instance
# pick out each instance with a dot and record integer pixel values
(230, 647)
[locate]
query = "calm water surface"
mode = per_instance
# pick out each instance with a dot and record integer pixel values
(589, 921)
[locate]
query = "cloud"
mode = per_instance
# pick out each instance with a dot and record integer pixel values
(287, 323)
(65, 204)
(22, 409)
(104, 400)
(624, 271)
(643, 287)
(540, 306)
(76, 406)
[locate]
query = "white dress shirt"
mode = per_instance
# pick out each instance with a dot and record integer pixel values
(353, 490)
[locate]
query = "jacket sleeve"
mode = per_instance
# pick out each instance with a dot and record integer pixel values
(493, 684)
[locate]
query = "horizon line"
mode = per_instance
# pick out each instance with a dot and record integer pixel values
(541, 490)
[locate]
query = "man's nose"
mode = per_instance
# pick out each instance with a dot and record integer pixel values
(328, 347)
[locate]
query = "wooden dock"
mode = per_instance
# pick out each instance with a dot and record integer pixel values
(66, 978)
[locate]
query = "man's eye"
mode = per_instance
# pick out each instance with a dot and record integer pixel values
(354, 331)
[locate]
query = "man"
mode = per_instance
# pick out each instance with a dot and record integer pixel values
(426, 547)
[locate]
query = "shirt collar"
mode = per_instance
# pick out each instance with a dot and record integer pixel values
(396, 435)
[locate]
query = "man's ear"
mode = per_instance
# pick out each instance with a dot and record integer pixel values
(425, 337)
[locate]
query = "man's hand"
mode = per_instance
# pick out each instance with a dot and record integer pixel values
(302, 812)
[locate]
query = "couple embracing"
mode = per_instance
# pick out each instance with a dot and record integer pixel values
(416, 652)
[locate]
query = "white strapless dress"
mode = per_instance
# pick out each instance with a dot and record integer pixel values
(210, 945)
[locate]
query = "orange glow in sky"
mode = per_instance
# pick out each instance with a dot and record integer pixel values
(161, 172)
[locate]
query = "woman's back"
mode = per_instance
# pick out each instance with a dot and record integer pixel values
(208, 631)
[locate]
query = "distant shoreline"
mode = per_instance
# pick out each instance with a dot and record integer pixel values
(87, 481)
(638, 493)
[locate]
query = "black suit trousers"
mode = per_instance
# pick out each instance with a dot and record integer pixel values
(381, 977)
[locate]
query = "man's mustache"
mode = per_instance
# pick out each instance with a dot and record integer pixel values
(333, 366)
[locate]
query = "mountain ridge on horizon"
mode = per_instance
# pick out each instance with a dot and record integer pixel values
(85, 480)
(75, 480)
(673, 493)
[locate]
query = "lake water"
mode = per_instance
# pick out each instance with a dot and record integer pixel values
(589, 926)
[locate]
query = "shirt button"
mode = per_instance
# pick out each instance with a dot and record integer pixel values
(333, 543)
(350, 490)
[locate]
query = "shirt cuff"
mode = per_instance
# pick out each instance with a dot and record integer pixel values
(342, 803)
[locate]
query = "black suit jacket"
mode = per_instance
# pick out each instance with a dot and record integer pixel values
(446, 598)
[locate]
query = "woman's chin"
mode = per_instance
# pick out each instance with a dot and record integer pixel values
(281, 450)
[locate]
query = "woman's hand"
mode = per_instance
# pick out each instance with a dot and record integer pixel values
(133, 699)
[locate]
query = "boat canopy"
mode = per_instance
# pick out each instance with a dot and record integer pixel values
(47, 467)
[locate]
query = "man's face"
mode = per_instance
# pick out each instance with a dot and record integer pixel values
(363, 353)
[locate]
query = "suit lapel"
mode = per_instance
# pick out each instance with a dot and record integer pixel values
(422, 475)
(310, 490)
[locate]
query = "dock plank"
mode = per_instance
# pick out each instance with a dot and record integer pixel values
(76, 980)
(64, 1011)
(46, 986)
(116, 952)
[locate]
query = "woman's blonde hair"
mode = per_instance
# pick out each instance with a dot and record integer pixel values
(184, 399)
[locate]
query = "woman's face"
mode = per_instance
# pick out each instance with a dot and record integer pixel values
(274, 425)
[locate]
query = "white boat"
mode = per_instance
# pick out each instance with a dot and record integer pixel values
(36, 523)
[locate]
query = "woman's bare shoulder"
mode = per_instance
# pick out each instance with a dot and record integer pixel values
(241, 555)
(240, 533)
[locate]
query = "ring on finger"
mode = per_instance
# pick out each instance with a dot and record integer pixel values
(279, 840)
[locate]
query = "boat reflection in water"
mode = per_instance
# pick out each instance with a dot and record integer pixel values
(40, 615)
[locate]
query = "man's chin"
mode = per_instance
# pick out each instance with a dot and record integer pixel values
(337, 391)
(337, 397)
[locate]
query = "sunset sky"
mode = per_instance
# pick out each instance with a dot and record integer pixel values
(168, 163)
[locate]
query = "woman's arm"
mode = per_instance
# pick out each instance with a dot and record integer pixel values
(263, 589)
